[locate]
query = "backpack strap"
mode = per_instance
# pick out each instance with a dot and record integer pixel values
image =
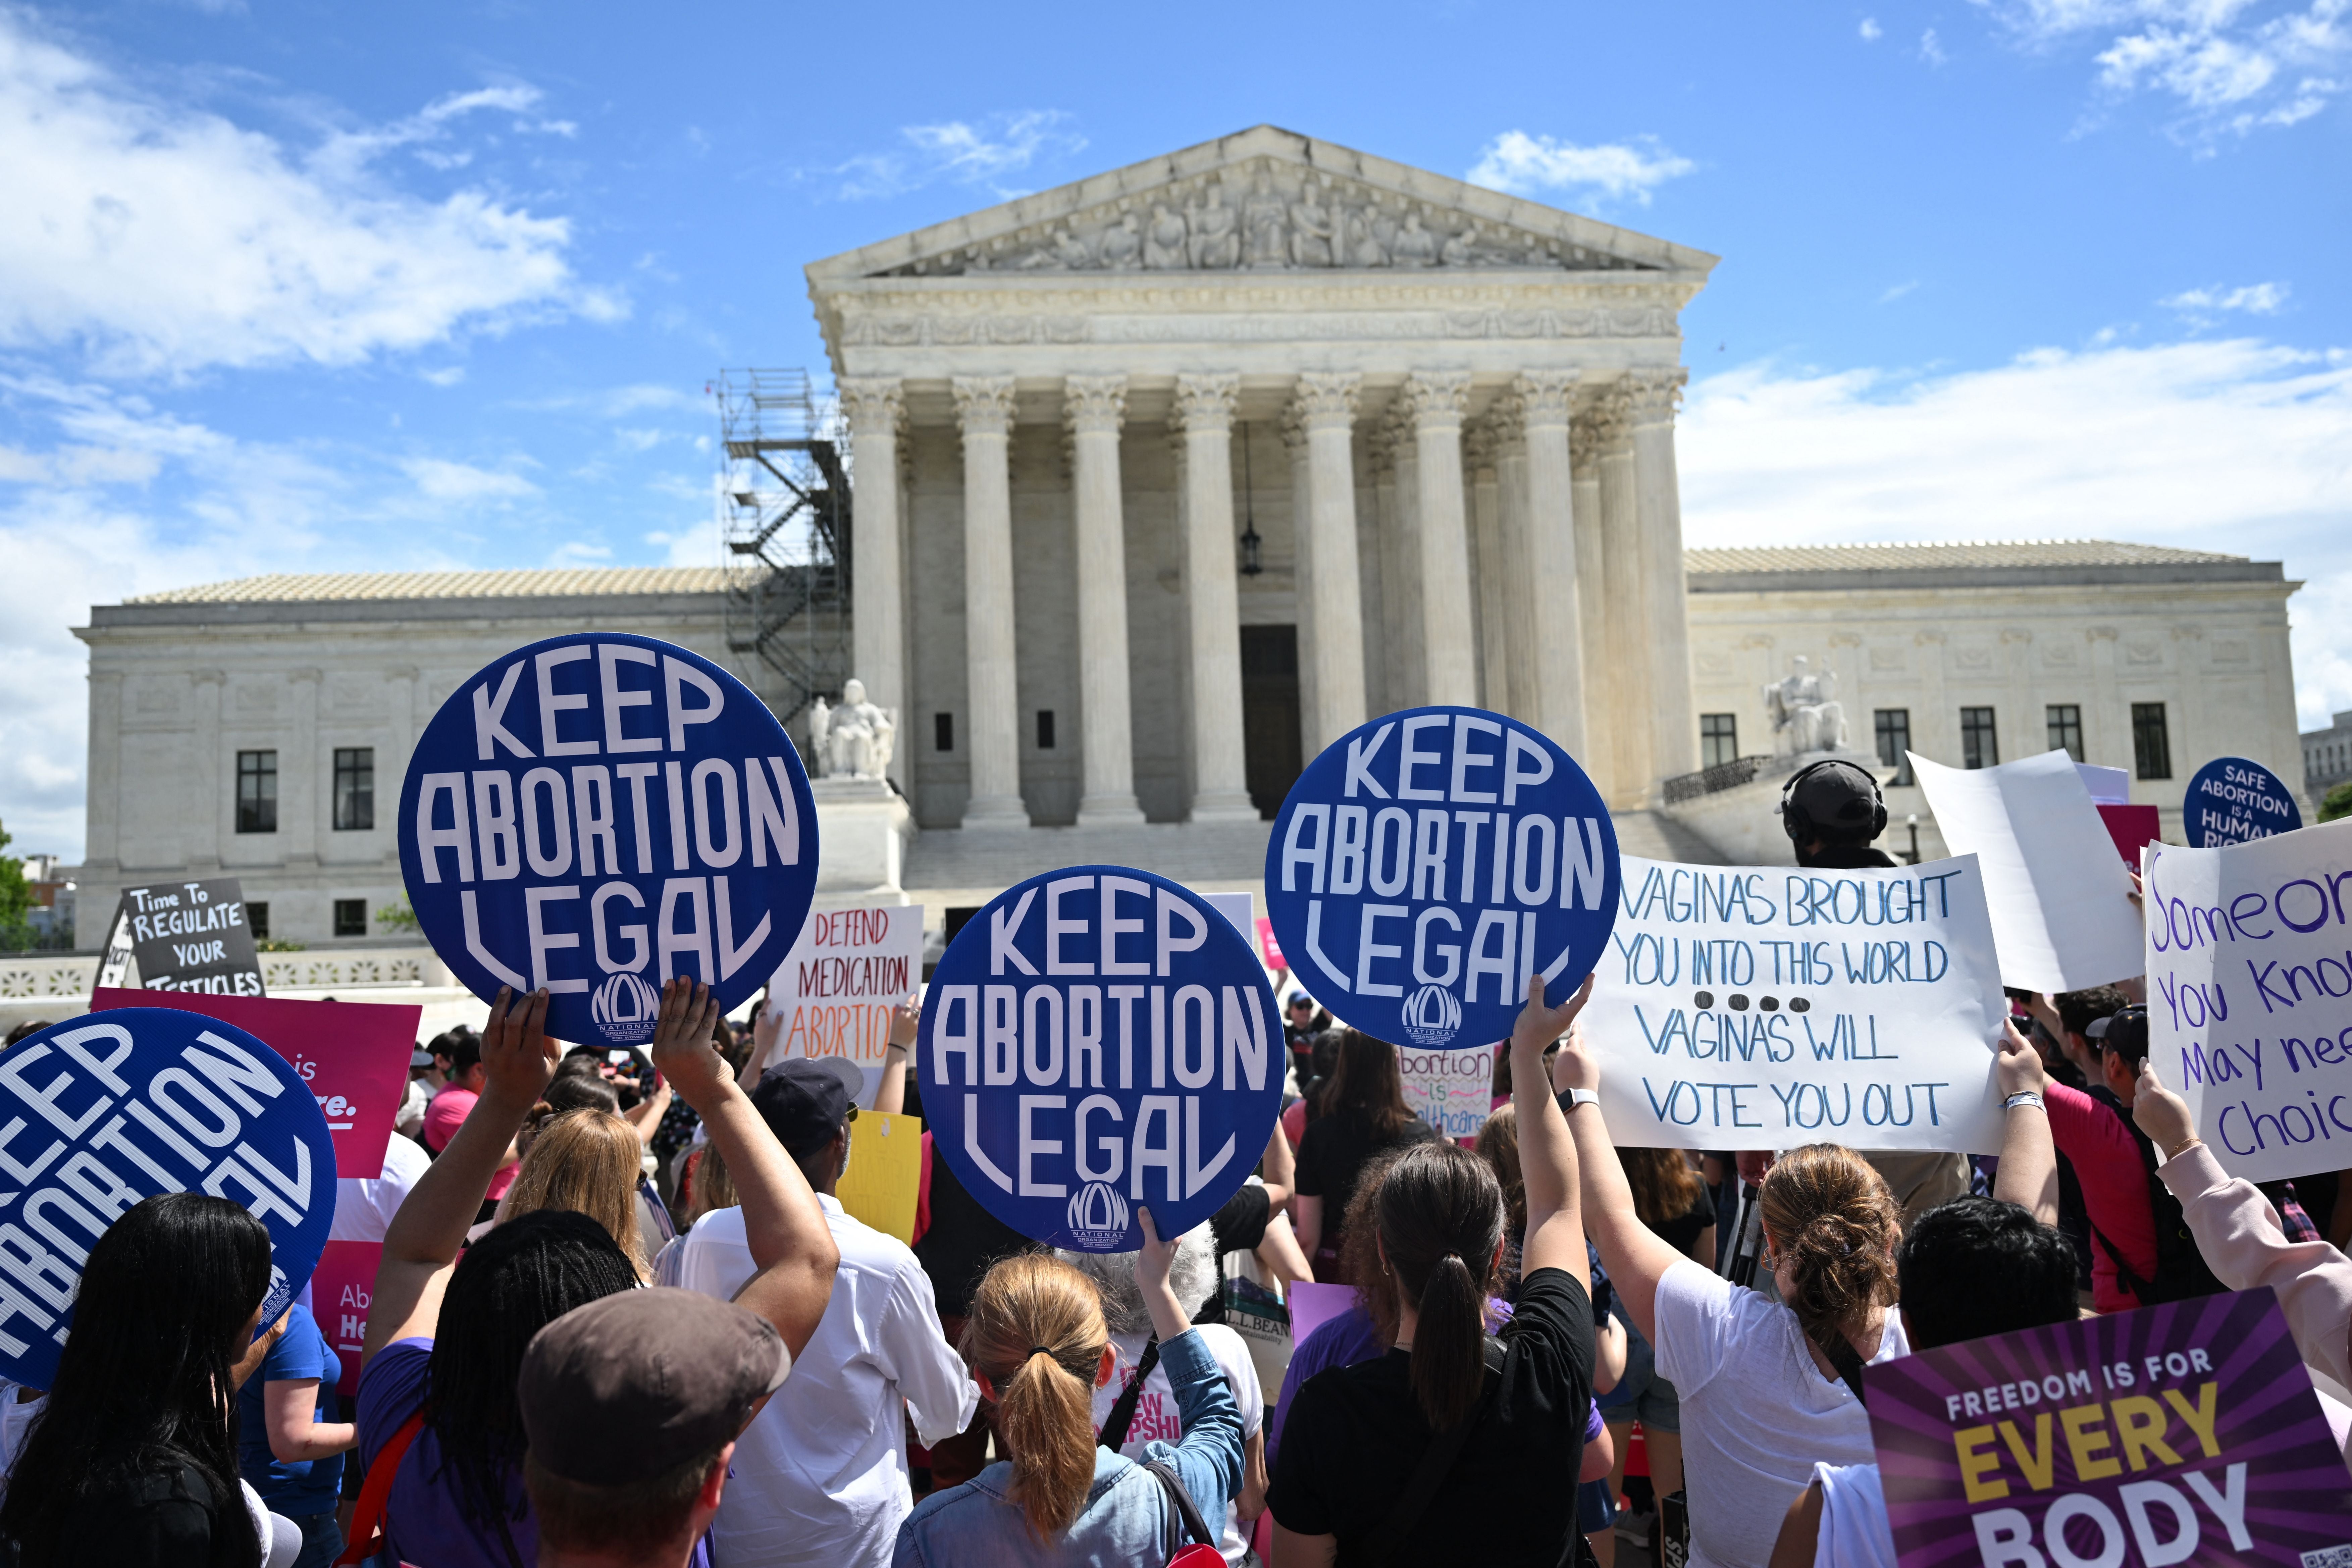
(1122, 1414)
(1195, 1527)
(1436, 1463)
(367, 1515)
(1838, 1352)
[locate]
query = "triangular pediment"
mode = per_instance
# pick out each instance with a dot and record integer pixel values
(1266, 200)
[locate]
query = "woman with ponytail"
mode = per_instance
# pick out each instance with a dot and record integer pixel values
(1036, 1342)
(1402, 1457)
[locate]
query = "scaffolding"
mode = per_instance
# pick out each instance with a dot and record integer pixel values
(784, 508)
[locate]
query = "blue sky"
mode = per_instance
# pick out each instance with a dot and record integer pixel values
(306, 288)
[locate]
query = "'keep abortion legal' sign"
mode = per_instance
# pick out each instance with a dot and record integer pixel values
(100, 1111)
(1095, 1040)
(596, 814)
(1761, 1006)
(2250, 996)
(2185, 1434)
(1425, 864)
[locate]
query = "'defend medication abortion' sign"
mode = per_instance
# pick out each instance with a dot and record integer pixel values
(1095, 1040)
(598, 813)
(103, 1110)
(1425, 864)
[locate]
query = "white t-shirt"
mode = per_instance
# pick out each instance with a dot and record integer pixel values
(364, 1206)
(1156, 1416)
(1756, 1413)
(1854, 1532)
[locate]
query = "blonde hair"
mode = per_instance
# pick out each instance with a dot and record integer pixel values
(1029, 1303)
(587, 1162)
(713, 1185)
(1498, 1146)
(1834, 1222)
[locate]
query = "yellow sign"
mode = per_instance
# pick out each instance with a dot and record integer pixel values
(885, 1167)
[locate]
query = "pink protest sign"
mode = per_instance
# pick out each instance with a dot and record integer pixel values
(341, 1288)
(1268, 949)
(353, 1054)
(1312, 1305)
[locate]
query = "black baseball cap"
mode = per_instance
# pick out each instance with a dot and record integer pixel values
(1838, 799)
(2123, 1033)
(806, 1101)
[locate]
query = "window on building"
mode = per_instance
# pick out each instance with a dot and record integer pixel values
(256, 920)
(943, 731)
(1979, 747)
(354, 788)
(2066, 728)
(351, 917)
(2151, 740)
(1893, 727)
(256, 791)
(1718, 739)
(1044, 729)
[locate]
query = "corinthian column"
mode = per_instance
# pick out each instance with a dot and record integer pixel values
(1512, 534)
(1449, 640)
(1559, 708)
(1204, 409)
(985, 407)
(1599, 757)
(1621, 553)
(1327, 408)
(1673, 722)
(1302, 531)
(878, 584)
(1095, 405)
(1494, 570)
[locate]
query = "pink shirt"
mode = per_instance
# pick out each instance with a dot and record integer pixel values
(444, 1116)
(2114, 1189)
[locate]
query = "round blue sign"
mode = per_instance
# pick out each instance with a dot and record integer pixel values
(2233, 801)
(100, 1111)
(597, 813)
(1097, 1040)
(1426, 863)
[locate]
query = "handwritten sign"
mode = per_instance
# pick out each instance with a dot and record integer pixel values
(598, 813)
(837, 987)
(2249, 995)
(354, 1055)
(100, 1111)
(1426, 863)
(2233, 801)
(1450, 1090)
(2184, 1434)
(1760, 1007)
(186, 936)
(1097, 1039)
(880, 1184)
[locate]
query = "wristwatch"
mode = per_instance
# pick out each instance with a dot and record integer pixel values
(2023, 1096)
(1577, 1096)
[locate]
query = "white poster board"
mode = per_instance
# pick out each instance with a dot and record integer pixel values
(838, 985)
(2250, 996)
(1765, 1006)
(1450, 1090)
(2060, 899)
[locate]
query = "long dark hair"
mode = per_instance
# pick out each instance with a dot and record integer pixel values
(1441, 1220)
(143, 1385)
(513, 1282)
(1366, 1086)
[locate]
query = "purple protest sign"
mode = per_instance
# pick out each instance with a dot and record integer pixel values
(2185, 1434)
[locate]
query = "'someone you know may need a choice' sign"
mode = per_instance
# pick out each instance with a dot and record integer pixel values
(598, 813)
(1425, 864)
(1097, 1040)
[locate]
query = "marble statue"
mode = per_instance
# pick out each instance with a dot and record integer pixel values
(1123, 245)
(1265, 220)
(1805, 714)
(1216, 242)
(1363, 246)
(1415, 245)
(1310, 230)
(1164, 241)
(853, 741)
(1457, 250)
(1071, 251)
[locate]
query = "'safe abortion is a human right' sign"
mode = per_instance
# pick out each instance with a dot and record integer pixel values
(1425, 864)
(595, 814)
(1097, 1040)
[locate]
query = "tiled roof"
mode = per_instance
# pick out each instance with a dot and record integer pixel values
(284, 588)
(2025, 553)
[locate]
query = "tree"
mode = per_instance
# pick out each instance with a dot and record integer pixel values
(2337, 804)
(15, 901)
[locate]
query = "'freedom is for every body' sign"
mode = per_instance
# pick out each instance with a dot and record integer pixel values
(1425, 864)
(2182, 1434)
(1762, 1006)
(1095, 1040)
(596, 814)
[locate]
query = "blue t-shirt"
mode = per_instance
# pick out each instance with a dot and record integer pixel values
(303, 1486)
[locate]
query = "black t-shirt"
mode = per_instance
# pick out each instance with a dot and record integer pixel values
(1333, 1155)
(1355, 1436)
(963, 1240)
(1681, 1231)
(165, 1518)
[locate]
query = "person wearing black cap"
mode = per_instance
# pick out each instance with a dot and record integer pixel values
(1834, 812)
(822, 1477)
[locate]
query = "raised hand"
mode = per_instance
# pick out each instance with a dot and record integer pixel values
(1573, 1066)
(518, 1058)
(1152, 1264)
(905, 1022)
(682, 1051)
(2019, 1070)
(1539, 1024)
(2161, 1114)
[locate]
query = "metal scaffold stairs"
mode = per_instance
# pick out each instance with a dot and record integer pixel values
(785, 506)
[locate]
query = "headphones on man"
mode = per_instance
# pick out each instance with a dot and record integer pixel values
(1802, 829)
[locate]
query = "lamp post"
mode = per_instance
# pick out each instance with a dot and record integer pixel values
(1912, 822)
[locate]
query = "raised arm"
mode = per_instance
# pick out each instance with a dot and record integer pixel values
(1636, 1257)
(1280, 1171)
(891, 1095)
(1208, 1459)
(421, 1245)
(782, 1221)
(1548, 1152)
(646, 1114)
(2029, 1160)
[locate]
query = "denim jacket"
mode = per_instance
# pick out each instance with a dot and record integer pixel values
(1128, 1517)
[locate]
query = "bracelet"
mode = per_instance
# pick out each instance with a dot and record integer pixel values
(2023, 1096)
(1577, 1096)
(2194, 1142)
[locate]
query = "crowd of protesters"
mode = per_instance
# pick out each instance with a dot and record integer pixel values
(623, 1318)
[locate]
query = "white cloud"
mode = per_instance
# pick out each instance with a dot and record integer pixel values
(447, 376)
(1871, 31)
(440, 479)
(686, 547)
(1525, 165)
(1898, 290)
(962, 151)
(2254, 299)
(579, 552)
(2235, 446)
(1931, 49)
(162, 238)
(2229, 67)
